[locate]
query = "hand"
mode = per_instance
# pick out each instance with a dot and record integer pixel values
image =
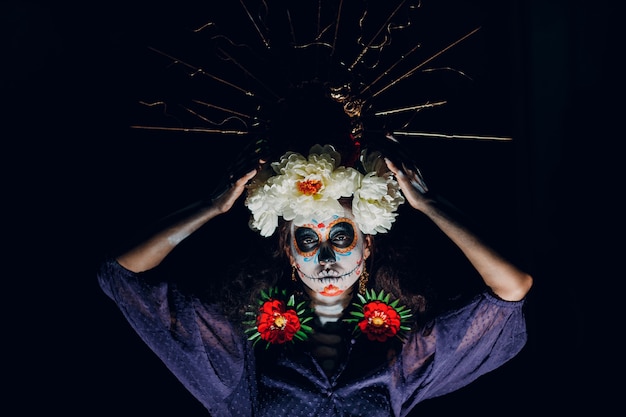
(226, 199)
(411, 183)
(245, 165)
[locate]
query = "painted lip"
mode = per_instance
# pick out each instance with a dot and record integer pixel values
(331, 291)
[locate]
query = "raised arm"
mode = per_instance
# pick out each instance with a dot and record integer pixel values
(174, 229)
(505, 279)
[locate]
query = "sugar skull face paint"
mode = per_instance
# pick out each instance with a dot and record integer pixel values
(329, 254)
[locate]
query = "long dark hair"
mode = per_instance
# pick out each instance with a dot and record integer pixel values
(391, 269)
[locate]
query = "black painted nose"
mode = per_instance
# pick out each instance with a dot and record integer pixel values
(327, 254)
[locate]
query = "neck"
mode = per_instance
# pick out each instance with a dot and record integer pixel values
(330, 309)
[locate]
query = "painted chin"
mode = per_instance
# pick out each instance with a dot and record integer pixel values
(331, 291)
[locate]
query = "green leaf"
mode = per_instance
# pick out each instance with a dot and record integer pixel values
(255, 336)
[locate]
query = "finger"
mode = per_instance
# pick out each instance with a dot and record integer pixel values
(250, 156)
(392, 167)
(415, 177)
(247, 177)
(228, 185)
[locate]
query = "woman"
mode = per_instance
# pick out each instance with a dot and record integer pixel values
(324, 339)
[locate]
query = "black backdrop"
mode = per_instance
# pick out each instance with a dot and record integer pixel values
(77, 178)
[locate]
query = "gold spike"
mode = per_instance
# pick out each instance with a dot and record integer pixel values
(409, 73)
(404, 109)
(234, 61)
(366, 48)
(201, 28)
(265, 41)
(446, 136)
(156, 103)
(205, 119)
(191, 129)
(388, 70)
(336, 27)
(224, 109)
(202, 72)
(291, 29)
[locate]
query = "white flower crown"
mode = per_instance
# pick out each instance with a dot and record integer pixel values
(305, 188)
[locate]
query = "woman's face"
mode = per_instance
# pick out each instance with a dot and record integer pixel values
(329, 254)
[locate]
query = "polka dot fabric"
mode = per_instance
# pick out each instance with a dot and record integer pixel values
(230, 377)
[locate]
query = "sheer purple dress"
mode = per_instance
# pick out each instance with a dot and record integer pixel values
(214, 360)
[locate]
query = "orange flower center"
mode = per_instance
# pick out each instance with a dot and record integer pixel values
(379, 319)
(280, 321)
(309, 187)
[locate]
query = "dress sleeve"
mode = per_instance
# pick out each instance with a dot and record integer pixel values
(197, 344)
(461, 346)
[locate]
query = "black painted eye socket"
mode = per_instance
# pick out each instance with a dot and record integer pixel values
(306, 239)
(342, 234)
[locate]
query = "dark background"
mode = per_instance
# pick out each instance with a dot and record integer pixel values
(77, 178)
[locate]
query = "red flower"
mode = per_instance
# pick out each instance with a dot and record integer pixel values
(380, 321)
(275, 323)
(278, 319)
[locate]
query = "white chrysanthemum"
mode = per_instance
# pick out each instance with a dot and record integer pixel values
(375, 203)
(264, 212)
(310, 188)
